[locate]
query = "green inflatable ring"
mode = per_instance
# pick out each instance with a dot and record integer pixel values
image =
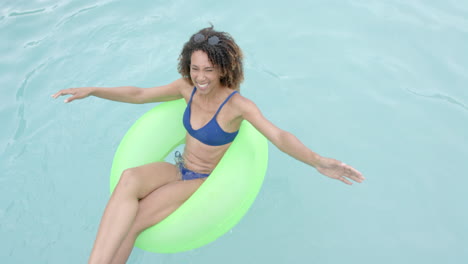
(220, 202)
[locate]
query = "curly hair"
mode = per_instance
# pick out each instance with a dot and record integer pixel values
(222, 52)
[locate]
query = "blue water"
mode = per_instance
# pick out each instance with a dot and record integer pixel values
(381, 85)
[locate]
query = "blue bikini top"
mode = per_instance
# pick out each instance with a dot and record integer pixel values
(211, 134)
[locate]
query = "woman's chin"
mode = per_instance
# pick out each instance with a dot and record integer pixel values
(203, 88)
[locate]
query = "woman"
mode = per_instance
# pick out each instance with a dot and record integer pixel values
(212, 70)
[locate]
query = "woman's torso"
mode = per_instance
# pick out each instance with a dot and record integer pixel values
(198, 156)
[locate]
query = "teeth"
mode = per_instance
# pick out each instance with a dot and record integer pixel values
(202, 85)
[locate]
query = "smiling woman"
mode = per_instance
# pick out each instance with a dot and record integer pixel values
(211, 67)
(224, 55)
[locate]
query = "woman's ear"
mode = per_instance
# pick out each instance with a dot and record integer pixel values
(223, 73)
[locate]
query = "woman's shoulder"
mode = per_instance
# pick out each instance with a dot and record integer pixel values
(185, 87)
(183, 84)
(243, 104)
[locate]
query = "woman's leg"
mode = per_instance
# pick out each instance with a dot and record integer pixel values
(153, 209)
(120, 212)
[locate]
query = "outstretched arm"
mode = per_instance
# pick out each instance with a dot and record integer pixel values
(127, 94)
(292, 146)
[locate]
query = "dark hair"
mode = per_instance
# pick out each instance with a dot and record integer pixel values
(222, 51)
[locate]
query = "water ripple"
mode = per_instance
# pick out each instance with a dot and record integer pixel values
(61, 22)
(74, 14)
(27, 12)
(22, 123)
(20, 93)
(272, 73)
(439, 96)
(34, 43)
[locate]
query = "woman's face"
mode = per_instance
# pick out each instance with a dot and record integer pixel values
(205, 76)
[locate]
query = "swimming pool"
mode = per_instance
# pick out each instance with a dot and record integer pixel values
(379, 85)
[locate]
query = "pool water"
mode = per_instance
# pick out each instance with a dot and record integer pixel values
(380, 85)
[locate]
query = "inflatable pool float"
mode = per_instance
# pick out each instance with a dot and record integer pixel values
(220, 202)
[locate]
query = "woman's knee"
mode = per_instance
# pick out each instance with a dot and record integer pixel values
(129, 180)
(142, 180)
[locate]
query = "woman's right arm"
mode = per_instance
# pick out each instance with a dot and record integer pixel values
(127, 94)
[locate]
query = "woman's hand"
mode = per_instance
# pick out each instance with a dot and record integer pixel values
(78, 93)
(336, 169)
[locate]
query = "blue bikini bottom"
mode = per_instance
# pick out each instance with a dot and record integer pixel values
(186, 173)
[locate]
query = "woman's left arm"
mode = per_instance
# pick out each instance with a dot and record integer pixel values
(289, 144)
